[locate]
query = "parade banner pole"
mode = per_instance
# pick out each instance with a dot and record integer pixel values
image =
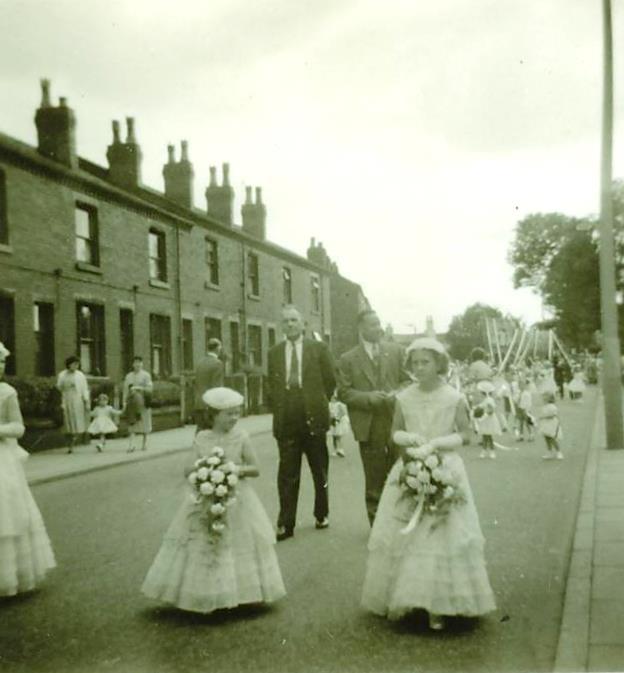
(611, 371)
(489, 338)
(497, 340)
(550, 344)
(562, 350)
(509, 350)
(520, 347)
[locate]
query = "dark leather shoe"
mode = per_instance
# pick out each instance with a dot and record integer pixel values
(323, 523)
(283, 533)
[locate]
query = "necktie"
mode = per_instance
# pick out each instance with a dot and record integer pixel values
(293, 377)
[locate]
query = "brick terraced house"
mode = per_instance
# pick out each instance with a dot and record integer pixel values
(95, 263)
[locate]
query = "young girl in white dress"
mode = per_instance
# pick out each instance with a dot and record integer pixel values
(439, 568)
(193, 570)
(487, 422)
(103, 422)
(576, 387)
(25, 551)
(550, 427)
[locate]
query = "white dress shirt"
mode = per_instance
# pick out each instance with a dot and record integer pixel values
(371, 348)
(298, 344)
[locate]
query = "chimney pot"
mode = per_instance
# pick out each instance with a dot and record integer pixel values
(171, 154)
(116, 139)
(258, 195)
(226, 175)
(130, 137)
(63, 101)
(184, 145)
(213, 176)
(45, 93)
(248, 195)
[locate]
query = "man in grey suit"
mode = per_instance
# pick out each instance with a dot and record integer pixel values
(208, 374)
(368, 377)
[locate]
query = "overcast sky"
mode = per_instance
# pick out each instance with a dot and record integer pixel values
(408, 136)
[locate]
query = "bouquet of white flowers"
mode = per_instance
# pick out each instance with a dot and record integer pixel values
(214, 484)
(428, 485)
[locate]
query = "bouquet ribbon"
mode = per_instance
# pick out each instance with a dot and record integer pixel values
(415, 518)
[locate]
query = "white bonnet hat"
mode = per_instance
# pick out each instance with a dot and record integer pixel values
(428, 343)
(486, 387)
(222, 398)
(4, 351)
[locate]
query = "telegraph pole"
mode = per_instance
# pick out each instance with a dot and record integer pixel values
(611, 375)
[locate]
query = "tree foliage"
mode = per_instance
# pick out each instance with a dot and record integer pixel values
(557, 256)
(467, 331)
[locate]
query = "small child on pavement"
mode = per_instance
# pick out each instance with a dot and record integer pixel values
(550, 427)
(103, 422)
(339, 424)
(486, 418)
(523, 411)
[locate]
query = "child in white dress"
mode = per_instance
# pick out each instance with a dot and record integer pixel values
(439, 568)
(338, 424)
(103, 422)
(576, 387)
(550, 427)
(196, 571)
(25, 551)
(485, 415)
(524, 411)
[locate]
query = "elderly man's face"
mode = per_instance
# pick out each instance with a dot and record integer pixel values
(292, 323)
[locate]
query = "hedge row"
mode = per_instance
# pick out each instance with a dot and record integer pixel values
(39, 397)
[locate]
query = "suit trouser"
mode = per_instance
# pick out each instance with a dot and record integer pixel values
(378, 457)
(296, 442)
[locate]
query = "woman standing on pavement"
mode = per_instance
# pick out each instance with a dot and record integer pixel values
(25, 551)
(137, 402)
(75, 400)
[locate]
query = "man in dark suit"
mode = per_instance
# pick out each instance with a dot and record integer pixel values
(300, 384)
(368, 378)
(208, 374)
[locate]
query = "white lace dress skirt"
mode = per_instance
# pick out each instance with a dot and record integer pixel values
(25, 550)
(193, 573)
(442, 570)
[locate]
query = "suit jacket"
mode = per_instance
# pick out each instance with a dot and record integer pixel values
(357, 379)
(208, 374)
(318, 382)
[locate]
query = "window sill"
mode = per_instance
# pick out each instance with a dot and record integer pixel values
(253, 297)
(211, 286)
(89, 268)
(4, 247)
(159, 283)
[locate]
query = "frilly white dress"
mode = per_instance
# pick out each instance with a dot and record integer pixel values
(195, 574)
(442, 570)
(577, 384)
(102, 423)
(25, 551)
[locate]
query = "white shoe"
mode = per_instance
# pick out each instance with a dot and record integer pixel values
(547, 456)
(559, 455)
(492, 455)
(340, 453)
(483, 454)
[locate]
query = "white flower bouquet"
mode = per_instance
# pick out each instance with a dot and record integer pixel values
(428, 486)
(213, 481)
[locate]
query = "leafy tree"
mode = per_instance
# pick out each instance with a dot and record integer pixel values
(468, 331)
(557, 256)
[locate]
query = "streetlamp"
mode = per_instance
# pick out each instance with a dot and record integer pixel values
(611, 376)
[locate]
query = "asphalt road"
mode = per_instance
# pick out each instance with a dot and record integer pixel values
(106, 527)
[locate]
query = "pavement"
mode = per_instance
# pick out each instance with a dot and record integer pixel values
(54, 464)
(592, 629)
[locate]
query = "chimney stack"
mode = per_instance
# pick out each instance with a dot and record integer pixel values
(56, 129)
(124, 159)
(220, 198)
(179, 177)
(254, 214)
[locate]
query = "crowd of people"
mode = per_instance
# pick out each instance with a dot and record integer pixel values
(410, 410)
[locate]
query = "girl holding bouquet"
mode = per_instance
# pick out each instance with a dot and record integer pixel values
(219, 551)
(418, 557)
(25, 551)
